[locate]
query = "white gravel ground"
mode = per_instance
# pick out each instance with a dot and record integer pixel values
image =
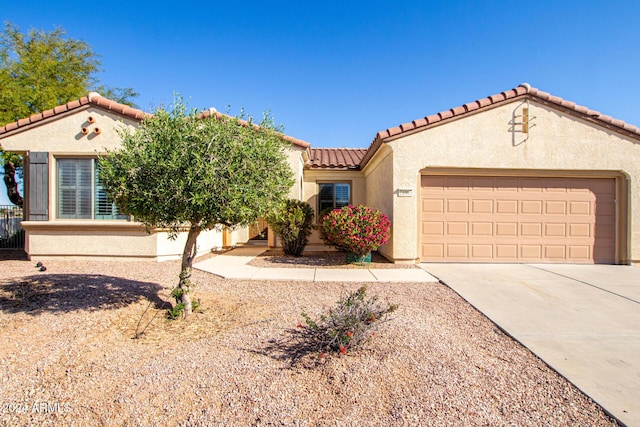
(68, 357)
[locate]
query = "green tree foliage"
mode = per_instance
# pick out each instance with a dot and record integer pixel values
(38, 71)
(11, 165)
(182, 171)
(292, 223)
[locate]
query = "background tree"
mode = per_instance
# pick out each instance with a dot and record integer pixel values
(183, 171)
(38, 71)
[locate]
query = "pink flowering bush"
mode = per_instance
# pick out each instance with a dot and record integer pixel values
(356, 229)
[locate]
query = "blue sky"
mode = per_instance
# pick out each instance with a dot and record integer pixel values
(335, 73)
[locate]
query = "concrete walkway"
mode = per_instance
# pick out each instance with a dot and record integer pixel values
(233, 265)
(582, 320)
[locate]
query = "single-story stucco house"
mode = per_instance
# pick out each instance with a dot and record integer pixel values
(520, 176)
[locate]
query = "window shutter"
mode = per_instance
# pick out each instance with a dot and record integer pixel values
(38, 186)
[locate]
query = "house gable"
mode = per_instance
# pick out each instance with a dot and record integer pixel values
(92, 99)
(522, 93)
(561, 143)
(86, 125)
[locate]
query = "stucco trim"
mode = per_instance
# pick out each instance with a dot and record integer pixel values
(94, 225)
(109, 257)
(562, 173)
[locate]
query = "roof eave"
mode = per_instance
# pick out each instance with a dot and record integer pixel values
(335, 168)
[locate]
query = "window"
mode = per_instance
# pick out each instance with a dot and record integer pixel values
(333, 195)
(80, 194)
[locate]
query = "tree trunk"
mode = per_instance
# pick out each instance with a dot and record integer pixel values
(190, 250)
(11, 183)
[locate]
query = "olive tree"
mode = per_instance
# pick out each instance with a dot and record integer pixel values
(186, 171)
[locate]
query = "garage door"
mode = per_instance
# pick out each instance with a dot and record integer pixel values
(517, 219)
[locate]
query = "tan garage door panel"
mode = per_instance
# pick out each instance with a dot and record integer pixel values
(517, 219)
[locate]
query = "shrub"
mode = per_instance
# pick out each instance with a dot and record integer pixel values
(357, 229)
(347, 326)
(293, 225)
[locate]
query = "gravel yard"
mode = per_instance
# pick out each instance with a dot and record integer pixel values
(68, 356)
(322, 259)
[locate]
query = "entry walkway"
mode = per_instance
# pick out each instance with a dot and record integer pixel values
(582, 320)
(234, 265)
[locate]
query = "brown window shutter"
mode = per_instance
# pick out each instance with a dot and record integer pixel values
(38, 186)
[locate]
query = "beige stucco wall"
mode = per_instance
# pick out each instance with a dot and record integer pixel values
(294, 155)
(556, 142)
(64, 134)
(168, 249)
(379, 190)
(124, 240)
(117, 240)
(312, 179)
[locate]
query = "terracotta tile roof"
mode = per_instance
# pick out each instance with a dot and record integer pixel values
(93, 99)
(522, 91)
(336, 158)
(287, 138)
(96, 100)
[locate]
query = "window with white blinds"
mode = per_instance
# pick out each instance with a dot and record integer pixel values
(333, 195)
(80, 194)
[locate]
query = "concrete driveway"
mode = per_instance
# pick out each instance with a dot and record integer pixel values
(582, 320)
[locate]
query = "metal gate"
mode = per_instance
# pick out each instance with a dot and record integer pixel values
(11, 234)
